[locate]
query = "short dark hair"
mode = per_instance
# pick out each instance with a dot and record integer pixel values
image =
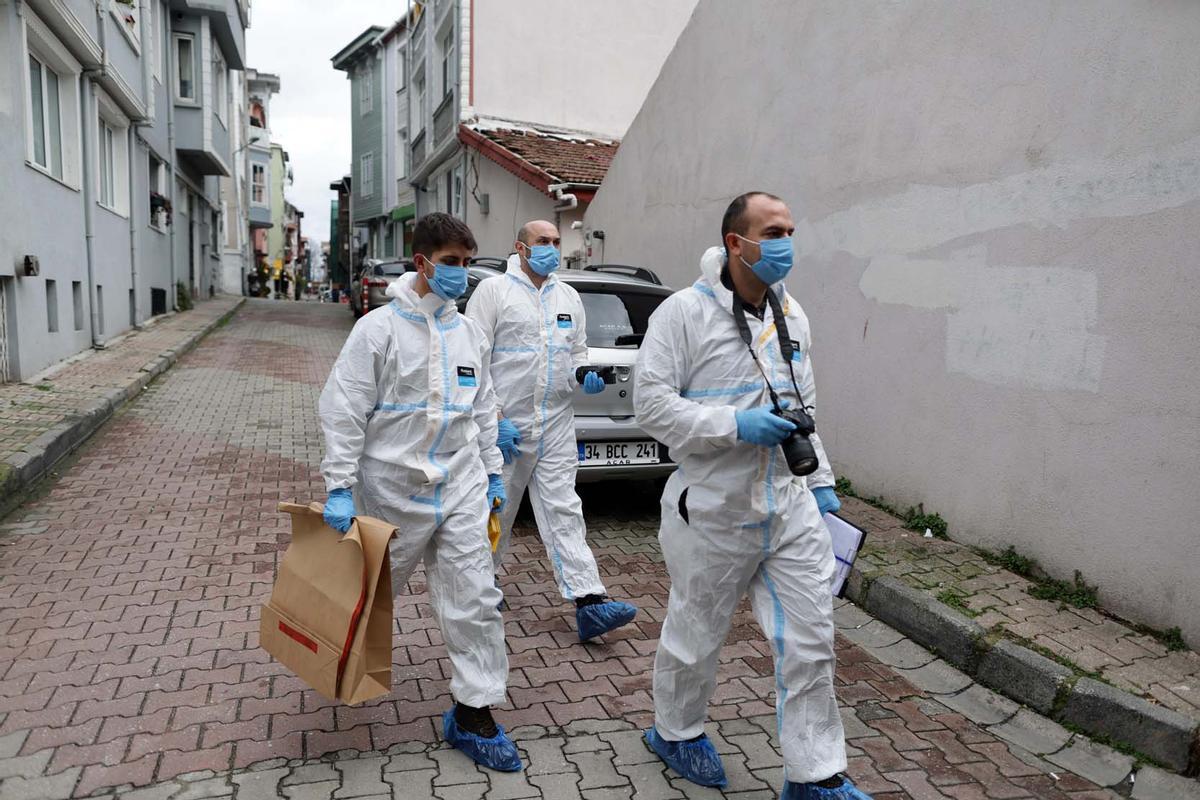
(734, 220)
(436, 230)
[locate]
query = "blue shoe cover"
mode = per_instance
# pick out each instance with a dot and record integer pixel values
(810, 791)
(600, 618)
(697, 760)
(498, 753)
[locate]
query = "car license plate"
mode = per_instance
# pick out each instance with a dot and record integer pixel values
(608, 454)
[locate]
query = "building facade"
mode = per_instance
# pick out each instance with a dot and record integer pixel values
(429, 89)
(122, 124)
(260, 88)
(383, 205)
(582, 83)
(1002, 280)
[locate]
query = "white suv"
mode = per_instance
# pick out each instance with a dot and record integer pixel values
(611, 443)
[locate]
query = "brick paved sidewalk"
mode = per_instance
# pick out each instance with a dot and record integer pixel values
(34, 409)
(129, 665)
(999, 600)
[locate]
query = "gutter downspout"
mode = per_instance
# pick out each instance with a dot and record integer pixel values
(134, 256)
(87, 113)
(173, 155)
(248, 183)
(134, 141)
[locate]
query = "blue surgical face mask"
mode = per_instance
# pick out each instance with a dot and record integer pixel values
(448, 282)
(774, 260)
(543, 258)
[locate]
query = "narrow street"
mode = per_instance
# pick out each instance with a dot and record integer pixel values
(130, 666)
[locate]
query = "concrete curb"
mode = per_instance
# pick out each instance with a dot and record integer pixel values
(1030, 678)
(20, 471)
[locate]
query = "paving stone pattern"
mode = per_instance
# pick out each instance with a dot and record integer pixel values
(1093, 642)
(27, 410)
(130, 666)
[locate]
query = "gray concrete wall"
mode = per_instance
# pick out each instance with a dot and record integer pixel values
(35, 210)
(998, 211)
(111, 271)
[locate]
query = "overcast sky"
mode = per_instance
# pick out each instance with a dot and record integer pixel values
(310, 116)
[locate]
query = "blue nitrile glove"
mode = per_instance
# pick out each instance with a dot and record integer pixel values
(507, 440)
(496, 492)
(759, 426)
(593, 383)
(339, 509)
(827, 499)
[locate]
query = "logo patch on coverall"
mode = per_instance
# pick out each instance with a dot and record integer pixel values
(796, 354)
(564, 321)
(466, 376)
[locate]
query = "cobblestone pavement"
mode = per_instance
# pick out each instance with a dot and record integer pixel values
(1000, 601)
(27, 410)
(130, 666)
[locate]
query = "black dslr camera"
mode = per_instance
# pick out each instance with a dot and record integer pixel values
(797, 447)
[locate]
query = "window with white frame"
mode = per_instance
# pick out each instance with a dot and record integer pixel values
(52, 142)
(419, 106)
(185, 67)
(366, 175)
(158, 193)
(45, 116)
(448, 62)
(112, 157)
(258, 184)
(366, 92)
(108, 167)
(220, 84)
(456, 195)
(401, 68)
(402, 153)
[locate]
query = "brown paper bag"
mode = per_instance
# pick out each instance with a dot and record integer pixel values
(329, 618)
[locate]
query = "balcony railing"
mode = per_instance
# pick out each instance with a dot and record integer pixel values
(417, 152)
(443, 119)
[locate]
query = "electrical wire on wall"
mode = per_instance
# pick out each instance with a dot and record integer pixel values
(475, 186)
(516, 204)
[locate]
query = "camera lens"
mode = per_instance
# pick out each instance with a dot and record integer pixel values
(800, 454)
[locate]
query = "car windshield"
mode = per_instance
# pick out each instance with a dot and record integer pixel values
(392, 269)
(618, 320)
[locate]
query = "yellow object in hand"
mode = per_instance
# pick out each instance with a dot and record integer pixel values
(494, 528)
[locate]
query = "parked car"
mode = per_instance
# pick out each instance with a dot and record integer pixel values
(475, 274)
(611, 443)
(642, 273)
(368, 290)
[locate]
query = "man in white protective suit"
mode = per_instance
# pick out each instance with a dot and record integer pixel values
(537, 331)
(721, 375)
(409, 417)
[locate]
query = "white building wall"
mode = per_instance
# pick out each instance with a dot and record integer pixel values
(583, 66)
(511, 203)
(998, 210)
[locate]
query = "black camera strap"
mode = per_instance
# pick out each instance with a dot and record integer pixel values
(785, 343)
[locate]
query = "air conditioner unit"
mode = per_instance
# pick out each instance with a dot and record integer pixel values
(32, 266)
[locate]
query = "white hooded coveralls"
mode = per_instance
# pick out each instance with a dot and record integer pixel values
(409, 417)
(734, 519)
(538, 337)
